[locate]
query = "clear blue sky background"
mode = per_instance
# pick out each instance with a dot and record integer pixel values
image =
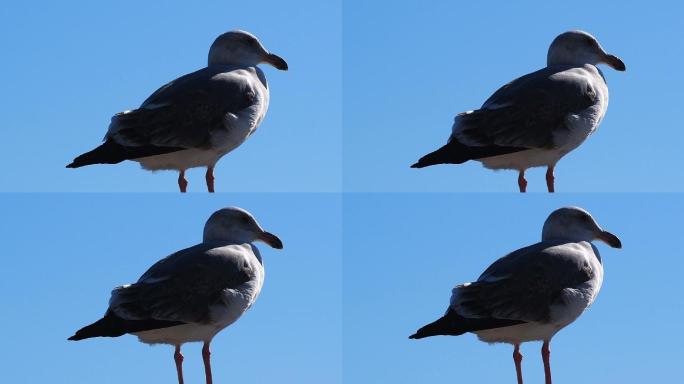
(63, 253)
(411, 67)
(404, 252)
(69, 66)
(406, 70)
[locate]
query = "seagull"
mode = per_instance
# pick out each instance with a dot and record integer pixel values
(196, 119)
(538, 118)
(534, 292)
(194, 293)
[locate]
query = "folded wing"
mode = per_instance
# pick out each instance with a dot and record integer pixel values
(518, 288)
(179, 289)
(529, 112)
(182, 114)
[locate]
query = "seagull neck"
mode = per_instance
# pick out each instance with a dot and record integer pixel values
(564, 239)
(559, 56)
(224, 241)
(223, 58)
(551, 62)
(228, 63)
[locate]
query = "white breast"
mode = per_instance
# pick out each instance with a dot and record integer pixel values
(518, 334)
(524, 159)
(185, 159)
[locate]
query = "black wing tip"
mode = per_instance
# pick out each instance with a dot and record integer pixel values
(450, 153)
(456, 153)
(415, 336)
(86, 332)
(80, 335)
(111, 152)
(81, 161)
(424, 161)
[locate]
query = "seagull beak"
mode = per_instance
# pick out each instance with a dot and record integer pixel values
(276, 61)
(271, 240)
(609, 239)
(614, 62)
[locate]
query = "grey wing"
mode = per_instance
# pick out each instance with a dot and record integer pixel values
(184, 112)
(527, 111)
(522, 285)
(181, 287)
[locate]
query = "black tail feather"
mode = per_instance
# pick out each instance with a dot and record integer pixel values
(456, 153)
(111, 152)
(112, 325)
(453, 324)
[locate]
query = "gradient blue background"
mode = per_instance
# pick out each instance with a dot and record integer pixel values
(411, 67)
(69, 66)
(403, 254)
(63, 253)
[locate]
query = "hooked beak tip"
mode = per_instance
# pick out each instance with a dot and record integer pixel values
(276, 61)
(615, 63)
(271, 240)
(610, 239)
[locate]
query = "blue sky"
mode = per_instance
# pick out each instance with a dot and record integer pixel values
(70, 66)
(370, 89)
(65, 252)
(404, 252)
(410, 68)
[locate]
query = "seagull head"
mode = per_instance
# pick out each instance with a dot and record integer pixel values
(576, 224)
(237, 225)
(242, 48)
(579, 48)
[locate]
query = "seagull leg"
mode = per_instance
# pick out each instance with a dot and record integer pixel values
(179, 364)
(546, 353)
(517, 358)
(210, 179)
(550, 179)
(207, 363)
(182, 183)
(522, 183)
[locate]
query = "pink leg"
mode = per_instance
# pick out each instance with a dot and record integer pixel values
(517, 357)
(207, 363)
(179, 364)
(210, 179)
(546, 353)
(522, 183)
(550, 179)
(182, 183)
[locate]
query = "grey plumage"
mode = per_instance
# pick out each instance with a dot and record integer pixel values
(183, 286)
(192, 294)
(184, 112)
(528, 111)
(538, 118)
(533, 292)
(524, 284)
(197, 118)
